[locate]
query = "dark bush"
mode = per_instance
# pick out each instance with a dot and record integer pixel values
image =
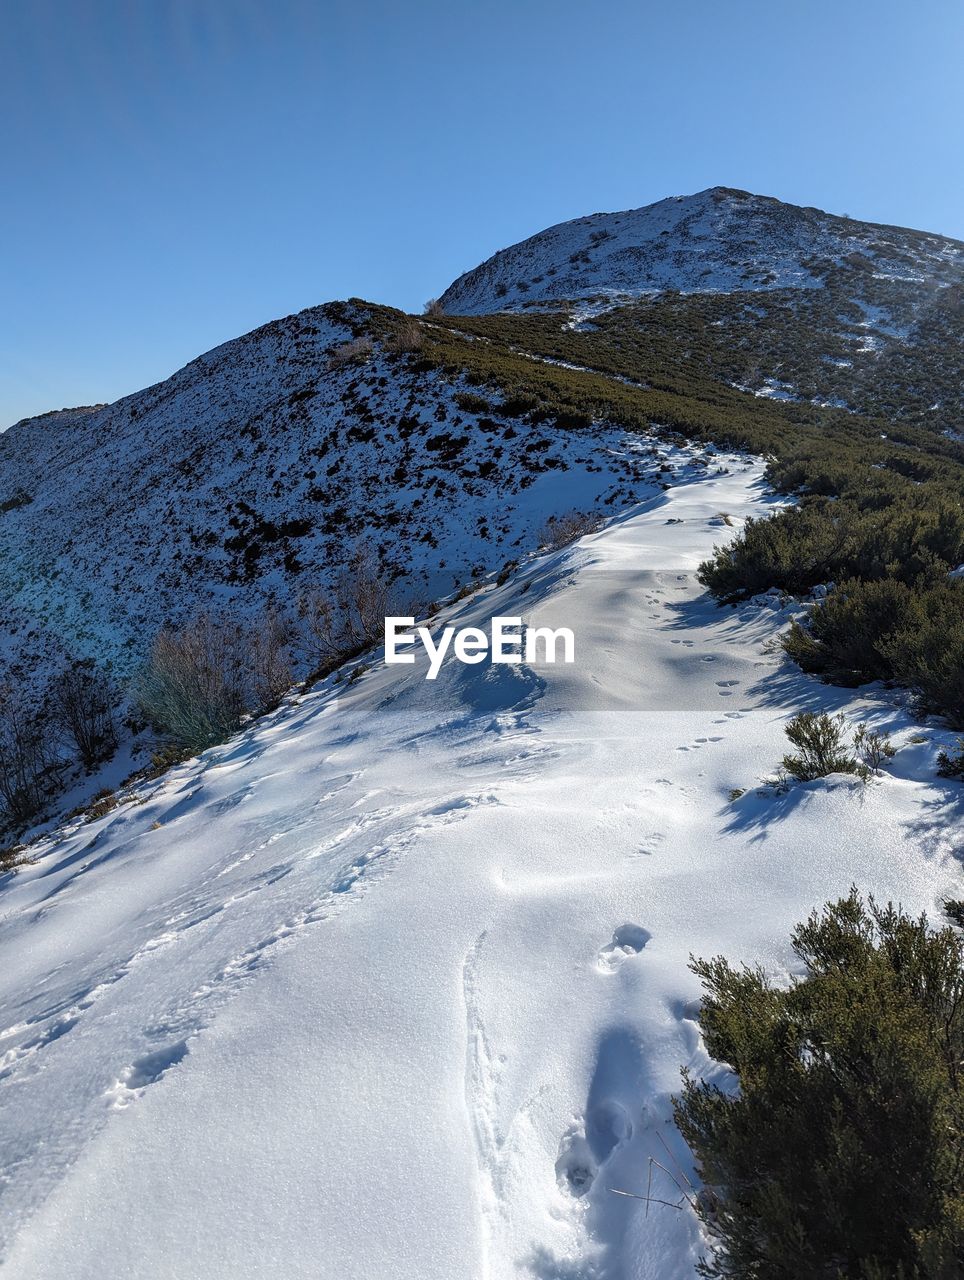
(820, 740)
(82, 703)
(927, 652)
(846, 635)
(794, 550)
(469, 402)
(841, 1154)
(951, 766)
(27, 759)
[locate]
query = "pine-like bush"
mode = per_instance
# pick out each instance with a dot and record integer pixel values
(841, 1155)
(820, 740)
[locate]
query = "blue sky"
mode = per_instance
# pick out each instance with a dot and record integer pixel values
(176, 172)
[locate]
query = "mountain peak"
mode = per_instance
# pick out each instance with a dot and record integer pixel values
(718, 240)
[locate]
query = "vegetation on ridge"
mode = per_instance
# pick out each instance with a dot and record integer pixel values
(879, 508)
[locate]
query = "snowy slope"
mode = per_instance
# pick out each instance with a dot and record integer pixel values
(719, 240)
(253, 472)
(395, 983)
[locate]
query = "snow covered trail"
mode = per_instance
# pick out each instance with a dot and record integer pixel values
(395, 983)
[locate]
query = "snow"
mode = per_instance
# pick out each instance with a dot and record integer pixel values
(136, 521)
(717, 240)
(395, 983)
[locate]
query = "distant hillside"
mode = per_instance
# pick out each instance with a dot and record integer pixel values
(256, 470)
(719, 240)
(791, 303)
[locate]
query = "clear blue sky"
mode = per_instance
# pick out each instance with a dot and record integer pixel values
(176, 172)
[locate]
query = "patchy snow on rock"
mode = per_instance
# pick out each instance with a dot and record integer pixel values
(395, 982)
(255, 470)
(718, 240)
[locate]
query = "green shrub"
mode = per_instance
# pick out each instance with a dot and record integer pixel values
(954, 910)
(927, 653)
(192, 689)
(846, 635)
(795, 550)
(820, 740)
(841, 1154)
(913, 634)
(873, 747)
(469, 402)
(951, 766)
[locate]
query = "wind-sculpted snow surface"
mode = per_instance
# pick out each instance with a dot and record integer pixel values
(395, 983)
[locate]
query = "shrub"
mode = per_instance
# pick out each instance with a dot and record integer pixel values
(271, 660)
(951, 766)
(356, 351)
(348, 617)
(469, 402)
(559, 531)
(954, 910)
(27, 759)
(794, 550)
(192, 689)
(12, 856)
(846, 635)
(82, 703)
(927, 652)
(406, 340)
(872, 747)
(840, 1155)
(103, 803)
(433, 308)
(820, 740)
(819, 541)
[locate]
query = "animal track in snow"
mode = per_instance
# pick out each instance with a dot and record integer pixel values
(587, 1146)
(145, 1071)
(628, 940)
(575, 1167)
(702, 742)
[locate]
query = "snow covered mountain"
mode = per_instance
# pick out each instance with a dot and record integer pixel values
(395, 983)
(719, 240)
(785, 302)
(253, 472)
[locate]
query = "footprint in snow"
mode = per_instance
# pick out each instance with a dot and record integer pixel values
(133, 1080)
(651, 843)
(628, 940)
(576, 1168)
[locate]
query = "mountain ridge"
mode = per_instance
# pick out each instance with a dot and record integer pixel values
(608, 254)
(446, 445)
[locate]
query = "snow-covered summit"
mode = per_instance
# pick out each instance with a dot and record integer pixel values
(718, 240)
